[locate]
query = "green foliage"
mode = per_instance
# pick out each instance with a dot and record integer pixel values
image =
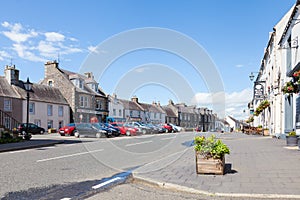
(289, 88)
(259, 126)
(210, 147)
(6, 137)
(292, 133)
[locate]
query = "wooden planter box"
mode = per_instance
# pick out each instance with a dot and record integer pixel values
(266, 133)
(209, 165)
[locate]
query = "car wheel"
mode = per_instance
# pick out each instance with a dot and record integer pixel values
(41, 132)
(62, 134)
(98, 135)
(76, 134)
(144, 131)
(128, 133)
(167, 130)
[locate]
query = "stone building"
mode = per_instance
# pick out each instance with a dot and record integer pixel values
(47, 106)
(87, 101)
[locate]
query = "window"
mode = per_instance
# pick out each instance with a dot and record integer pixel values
(31, 108)
(84, 102)
(7, 104)
(154, 115)
(50, 124)
(37, 122)
(50, 110)
(114, 112)
(131, 113)
(7, 123)
(80, 84)
(50, 83)
(120, 112)
(60, 111)
(98, 104)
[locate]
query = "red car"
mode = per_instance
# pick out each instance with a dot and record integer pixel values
(168, 127)
(125, 130)
(67, 130)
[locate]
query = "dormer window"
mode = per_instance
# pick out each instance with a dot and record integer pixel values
(80, 84)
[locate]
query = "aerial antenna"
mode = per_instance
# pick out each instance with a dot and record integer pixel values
(11, 61)
(58, 58)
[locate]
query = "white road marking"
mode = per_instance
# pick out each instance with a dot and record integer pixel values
(70, 155)
(19, 151)
(105, 183)
(168, 138)
(66, 199)
(128, 145)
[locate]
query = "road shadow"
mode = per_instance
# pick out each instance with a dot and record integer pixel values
(228, 169)
(188, 143)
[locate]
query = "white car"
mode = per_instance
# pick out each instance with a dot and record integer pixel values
(176, 127)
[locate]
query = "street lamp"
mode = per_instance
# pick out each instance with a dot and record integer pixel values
(28, 87)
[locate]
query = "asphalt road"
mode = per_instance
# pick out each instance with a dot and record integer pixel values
(69, 169)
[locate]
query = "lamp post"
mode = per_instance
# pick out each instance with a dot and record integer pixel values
(28, 87)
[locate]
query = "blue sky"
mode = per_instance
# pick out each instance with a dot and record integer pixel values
(234, 34)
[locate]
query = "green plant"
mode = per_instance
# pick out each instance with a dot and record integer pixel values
(292, 133)
(259, 126)
(210, 147)
(289, 88)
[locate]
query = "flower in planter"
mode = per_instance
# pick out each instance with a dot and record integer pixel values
(210, 147)
(289, 88)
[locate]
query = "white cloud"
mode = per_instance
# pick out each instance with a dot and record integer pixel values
(3, 55)
(15, 34)
(93, 49)
(37, 46)
(24, 53)
(239, 65)
(141, 69)
(54, 37)
(47, 49)
(235, 102)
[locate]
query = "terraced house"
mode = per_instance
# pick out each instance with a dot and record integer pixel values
(47, 106)
(87, 101)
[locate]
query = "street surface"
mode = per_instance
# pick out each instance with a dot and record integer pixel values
(56, 168)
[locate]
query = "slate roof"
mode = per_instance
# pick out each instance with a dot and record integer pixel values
(6, 90)
(41, 93)
(169, 111)
(130, 105)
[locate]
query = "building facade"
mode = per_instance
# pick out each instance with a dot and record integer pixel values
(87, 101)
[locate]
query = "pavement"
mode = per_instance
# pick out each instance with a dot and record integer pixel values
(257, 167)
(35, 142)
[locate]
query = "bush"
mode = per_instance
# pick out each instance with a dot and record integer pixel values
(210, 147)
(292, 133)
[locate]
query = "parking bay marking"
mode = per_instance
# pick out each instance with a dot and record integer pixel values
(106, 182)
(70, 155)
(133, 144)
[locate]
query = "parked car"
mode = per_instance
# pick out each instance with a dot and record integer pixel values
(141, 127)
(176, 128)
(115, 130)
(168, 127)
(67, 130)
(125, 129)
(102, 129)
(88, 130)
(32, 128)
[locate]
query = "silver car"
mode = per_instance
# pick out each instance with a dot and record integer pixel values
(88, 130)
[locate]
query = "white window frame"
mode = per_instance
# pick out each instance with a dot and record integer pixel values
(31, 108)
(49, 110)
(7, 105)
(60, 111)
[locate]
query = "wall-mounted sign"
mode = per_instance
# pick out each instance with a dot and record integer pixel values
(258, 91)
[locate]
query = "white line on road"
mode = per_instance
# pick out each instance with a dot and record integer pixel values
(128, 145)
(105, 183)
(71, 155)
(66, 199)
(19, 151)
(168, 138)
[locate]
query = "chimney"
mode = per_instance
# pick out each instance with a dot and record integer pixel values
(135, 99)
(171, 102)
(89, 75)
(49, 67)
(11, 74)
